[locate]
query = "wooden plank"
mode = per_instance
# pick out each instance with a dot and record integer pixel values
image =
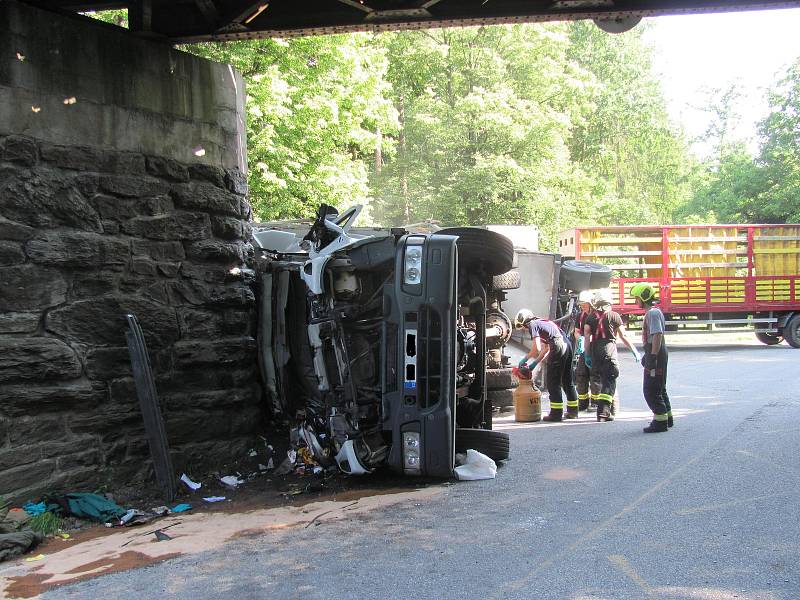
(635, 267)
(620, 240)
(776, 250)
(707, 265)
(682, 238)
(623, 253)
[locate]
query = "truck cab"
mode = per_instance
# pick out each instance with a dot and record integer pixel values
(374, 343)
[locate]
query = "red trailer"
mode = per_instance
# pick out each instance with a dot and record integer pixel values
(709, 277)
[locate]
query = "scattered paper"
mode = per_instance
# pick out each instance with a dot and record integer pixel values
(189, 483)
(214, 499)
(231, 481)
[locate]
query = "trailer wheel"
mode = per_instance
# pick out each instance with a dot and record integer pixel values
(791, 331)
(579, 275)
(494, 444)
(507, 281)
(500, 398)
(770, 339)
(500, 379)
(482, 248)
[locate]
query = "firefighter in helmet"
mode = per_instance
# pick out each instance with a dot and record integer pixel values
(550, 343)
(605, 326)
(582, 373)
(654, 360)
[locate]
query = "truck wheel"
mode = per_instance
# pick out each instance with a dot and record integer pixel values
(500, 379)
(579, 275)
(507, 281)
(482, 248)
(791, 331)
(494, 444)
(500, 398)
(770, 339)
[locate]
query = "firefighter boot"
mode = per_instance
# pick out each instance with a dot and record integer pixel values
(656, 427)
(555, 415)
(604, 411)
(583, 404)
(572, 412)
(670, 421)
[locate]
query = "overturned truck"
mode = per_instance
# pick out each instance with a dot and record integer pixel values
(377, 342)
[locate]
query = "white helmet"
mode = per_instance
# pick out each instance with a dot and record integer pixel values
(602, 298)
(586, 296)
(523, 316)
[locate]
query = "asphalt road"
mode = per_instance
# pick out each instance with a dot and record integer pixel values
(582, 510)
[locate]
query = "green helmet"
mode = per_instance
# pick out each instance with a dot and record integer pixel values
(643, 291)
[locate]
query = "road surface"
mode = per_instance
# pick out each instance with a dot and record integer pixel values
(582, 510)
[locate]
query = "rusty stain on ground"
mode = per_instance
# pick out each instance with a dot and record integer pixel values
(100, 551)
(30, 586)
(564, 474)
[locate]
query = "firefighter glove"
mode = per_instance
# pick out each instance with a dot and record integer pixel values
(580, 345)
(587, 360)
(523, 362)
(649, 361)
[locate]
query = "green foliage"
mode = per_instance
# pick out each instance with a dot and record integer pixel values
(46, 523)
(315, 106)
(779, 200)
(548, 124)
(555, 125)
(734, 186)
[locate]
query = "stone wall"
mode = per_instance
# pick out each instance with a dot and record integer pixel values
(112, 210)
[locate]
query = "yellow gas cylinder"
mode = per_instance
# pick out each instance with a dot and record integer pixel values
(527, 402)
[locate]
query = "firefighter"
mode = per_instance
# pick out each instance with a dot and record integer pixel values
(582, 374)
(605, 326)
(654, 360)
(551, 343)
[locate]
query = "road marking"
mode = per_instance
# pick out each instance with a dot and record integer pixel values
(619, 561)
(710, 507)
(525, 581)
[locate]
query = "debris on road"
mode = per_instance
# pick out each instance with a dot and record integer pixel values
(475, 466)
(231, 481)
(190, 484)
(161, 536)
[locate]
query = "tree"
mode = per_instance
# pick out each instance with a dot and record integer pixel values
(628, 140)
(315, 106)
(779, 202)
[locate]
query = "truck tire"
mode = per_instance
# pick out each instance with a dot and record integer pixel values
(500, 379)
(579, 275)
(507, 281)
(770, 339)
(494, 444)
(500, 398)
(482, 249)
(791, 331)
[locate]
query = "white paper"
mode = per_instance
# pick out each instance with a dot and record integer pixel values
(231, 480)
(189, 483)
(214, 499)
(478, 466)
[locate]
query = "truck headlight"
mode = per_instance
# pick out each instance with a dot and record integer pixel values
(411, 452)
(412, 265)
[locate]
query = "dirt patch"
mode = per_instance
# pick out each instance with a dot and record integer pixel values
(30, 586)
(119, 549)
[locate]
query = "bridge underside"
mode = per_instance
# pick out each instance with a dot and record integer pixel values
(206, 20)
